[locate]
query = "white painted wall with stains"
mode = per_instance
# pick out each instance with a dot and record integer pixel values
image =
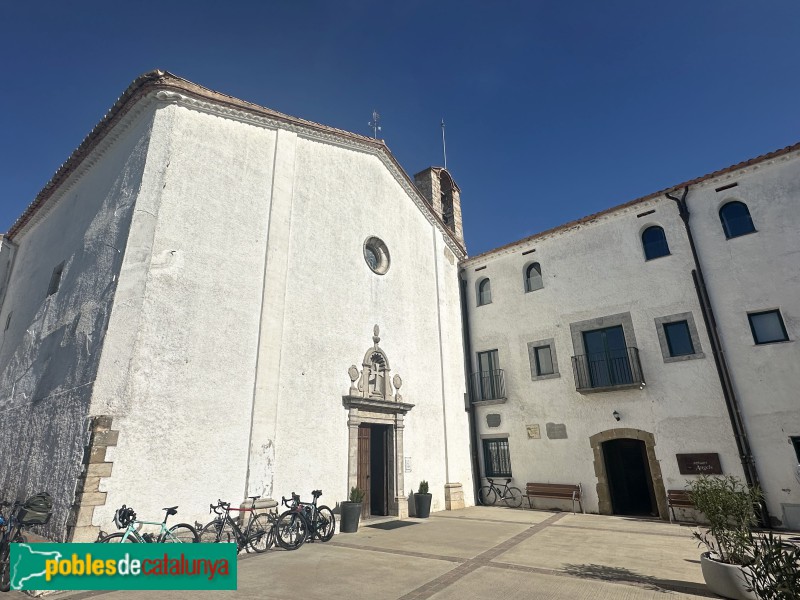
(597, 268)
(49, 352)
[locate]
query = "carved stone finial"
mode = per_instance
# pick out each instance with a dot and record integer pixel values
(397, 382)
(376, 335)
(353, 373)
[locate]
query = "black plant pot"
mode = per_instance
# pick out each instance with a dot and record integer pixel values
(422, 503)
(351, 512)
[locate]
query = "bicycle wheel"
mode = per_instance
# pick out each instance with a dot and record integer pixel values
(182, 533)
(5, 568)
(217, 532)
(260, 534)
(326, 523)
(487, 496)
(116, 538)
(291, 530)
(513, 497)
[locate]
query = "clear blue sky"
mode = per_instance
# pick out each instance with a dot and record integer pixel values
(554, 110)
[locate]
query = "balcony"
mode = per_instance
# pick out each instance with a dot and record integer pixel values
(606, 371)
(488, 387)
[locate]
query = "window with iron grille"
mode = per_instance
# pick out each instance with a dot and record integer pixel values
(496, 459)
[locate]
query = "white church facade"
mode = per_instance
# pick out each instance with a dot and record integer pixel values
(214, 300)
(211, 299)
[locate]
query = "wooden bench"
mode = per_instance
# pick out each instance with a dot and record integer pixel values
(678, 499)
(560, 491)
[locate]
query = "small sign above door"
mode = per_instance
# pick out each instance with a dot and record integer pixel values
(699, 464)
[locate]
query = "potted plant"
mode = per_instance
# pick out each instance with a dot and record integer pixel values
(351, 511)
(774, 570)
(422, 501)
(730, 507)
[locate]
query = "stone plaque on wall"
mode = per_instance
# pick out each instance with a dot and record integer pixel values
(556, 431)
(493, 420)
(533, 432)
(699, 464)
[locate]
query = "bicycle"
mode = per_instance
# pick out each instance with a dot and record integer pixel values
(258, 534)
(292, 527)
(125, 518)
(489, 494)
(321, 521)
(34, 511)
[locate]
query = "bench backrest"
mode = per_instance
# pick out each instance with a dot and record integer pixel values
(553, 490)
(679, 498)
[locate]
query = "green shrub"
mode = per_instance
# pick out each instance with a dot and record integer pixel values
(357, 494)
(731, 508)
(423, 487)
(774, 568)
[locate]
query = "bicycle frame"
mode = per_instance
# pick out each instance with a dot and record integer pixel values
(133, 531)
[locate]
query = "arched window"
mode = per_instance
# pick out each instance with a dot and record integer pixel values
(448, 216)
(484, 292)
(654, 243)
(533, 277)
(736, 219)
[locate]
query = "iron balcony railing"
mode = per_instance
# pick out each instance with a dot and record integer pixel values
(487, 385)
(609, 370)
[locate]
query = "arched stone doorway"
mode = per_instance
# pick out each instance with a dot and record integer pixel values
(604, 483)
(375, 422)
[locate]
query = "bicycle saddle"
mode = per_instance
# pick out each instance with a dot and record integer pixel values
(254, 497)
(172, 510)
(316, 493)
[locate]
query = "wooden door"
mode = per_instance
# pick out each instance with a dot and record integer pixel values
(364, 433)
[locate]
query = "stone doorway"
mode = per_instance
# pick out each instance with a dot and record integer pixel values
(629, 481)
(599, 449)
(375, 423)
(373, 468)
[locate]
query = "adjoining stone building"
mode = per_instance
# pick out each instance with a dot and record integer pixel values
(637, 347)
(211, 299)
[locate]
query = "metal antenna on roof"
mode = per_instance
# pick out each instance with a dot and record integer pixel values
(444, 146)
(375, 123)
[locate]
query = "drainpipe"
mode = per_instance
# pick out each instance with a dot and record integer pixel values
(728, 392)
(473, 430)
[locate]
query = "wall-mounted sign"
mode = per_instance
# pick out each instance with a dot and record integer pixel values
(407, 464)
(533, 432)
(699, 464)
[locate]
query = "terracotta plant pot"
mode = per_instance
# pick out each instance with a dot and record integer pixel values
(351, 513)
(725, 580)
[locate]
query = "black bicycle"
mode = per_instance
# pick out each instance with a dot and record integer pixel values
(303, 522)
(490, 494)
(322, 523)
(258, 535)
(36, 510)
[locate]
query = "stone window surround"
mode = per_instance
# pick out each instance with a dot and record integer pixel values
(579, 327)
(532, 358)
(662, 337)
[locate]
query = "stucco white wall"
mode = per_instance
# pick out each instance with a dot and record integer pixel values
(49, 353)
(751, 273)
(330, 302)
(245, 297)
(182, 402)
(593, 270)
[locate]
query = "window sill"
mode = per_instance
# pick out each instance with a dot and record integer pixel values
(549, 376)
(684, 357)
(611, 388)
(657, 257)
(758, 345)
(489, 402)
(733, 237)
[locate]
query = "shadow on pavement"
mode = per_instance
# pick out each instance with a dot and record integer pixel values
(623, 575)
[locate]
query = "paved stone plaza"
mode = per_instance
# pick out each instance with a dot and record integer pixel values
(477, 552)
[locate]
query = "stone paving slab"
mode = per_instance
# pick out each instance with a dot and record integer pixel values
(620, 555)
(473, 553)
(489, 582)
(437, 536)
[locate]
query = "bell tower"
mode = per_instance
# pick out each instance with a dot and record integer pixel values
(444, 196)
